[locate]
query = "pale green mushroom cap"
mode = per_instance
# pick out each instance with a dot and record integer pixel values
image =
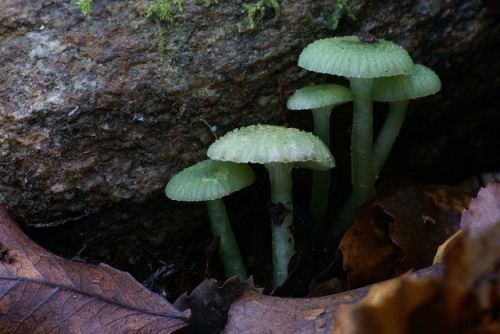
(313, 97)
(422, 82)
(349, 57)
(209, 180)
(264, 144)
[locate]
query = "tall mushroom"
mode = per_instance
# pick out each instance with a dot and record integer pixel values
(209, 181)
(320, 99)
(360, 62)
(278, 148)
(397, 90)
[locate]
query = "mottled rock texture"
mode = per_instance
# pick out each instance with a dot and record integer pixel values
(93, 124)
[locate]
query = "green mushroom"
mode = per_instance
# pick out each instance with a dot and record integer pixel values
(320, 99)
(209, 181)
(278, 149)
(360, 62)
(397, 90)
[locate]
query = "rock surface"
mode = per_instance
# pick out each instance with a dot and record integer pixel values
(94, 124)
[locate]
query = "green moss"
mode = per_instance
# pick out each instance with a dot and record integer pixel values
(84, 6)
(329, 17)
(208, 2)
(161, 12)
(340, 10)
(239, 26)
(258, 10)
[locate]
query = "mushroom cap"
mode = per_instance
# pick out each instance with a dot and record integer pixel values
(422, 82)
(318, 96)
(349, 57)
(209, 180)
(265, 144)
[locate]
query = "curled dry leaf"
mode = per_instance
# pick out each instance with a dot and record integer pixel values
(483, 211)
(210, 303)
(402, 305)
(368, 252)
(439, 257)
(41, 293)
(399, 229)
(257, 313)
(465, 300)
(424, 216)
(473, 255)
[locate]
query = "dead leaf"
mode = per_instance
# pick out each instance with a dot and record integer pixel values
(424, 216)
(210, 303)
(368, 252)
(402, 305)
(478, 250)
(329, 287)
(41, 293)
(257, 313)
(440, 254)
(483, 211)
(465, 300)
(399, 229)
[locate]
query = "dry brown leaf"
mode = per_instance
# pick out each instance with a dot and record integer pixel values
(473, 255)
(210, 303)
(483, 211)
(399, 229)
(440, 254)
(402, 305)
(43, 293)
(368, 252)
(424, 216)
(257, 313)
(466, 300)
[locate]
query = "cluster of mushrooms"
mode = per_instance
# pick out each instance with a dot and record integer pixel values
(378, 70)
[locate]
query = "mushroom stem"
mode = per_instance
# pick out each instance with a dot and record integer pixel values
(321, 179)
(361, 142)
(228, 250)
(381, 149)
(280, 175)
(321, 118)
(388, 134)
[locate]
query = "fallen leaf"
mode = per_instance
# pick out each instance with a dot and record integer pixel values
(466, 299)
(399, 229)
(328, 287)
(424, 216)
(368, 252)
(473, 255)
(402, 305)
(210, 303)
(440, 254)
(41, 293)
(257, 313)
(483, 211)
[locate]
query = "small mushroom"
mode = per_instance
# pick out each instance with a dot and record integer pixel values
(209, 181)
(278, 149)
(360, 62)
(398, 91)
(320, 99)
